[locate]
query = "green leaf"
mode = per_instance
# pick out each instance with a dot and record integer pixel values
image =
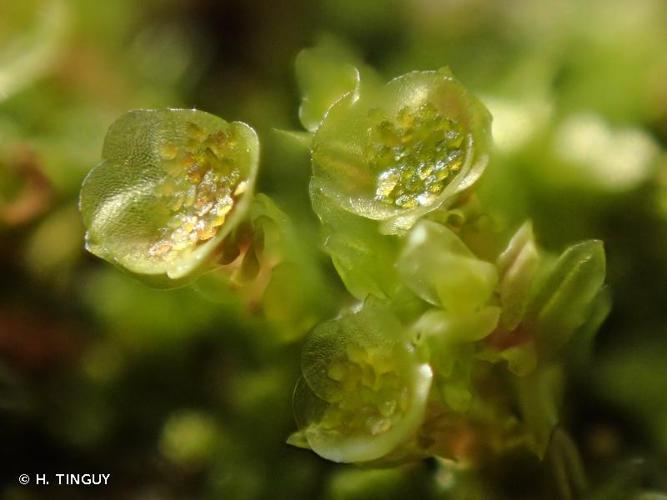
(448, 328)
(172, 184)
(437, 266)
(365, 391)
(446, 340)
(517, 266)
(564, 300)
(362, 256)
(324, 73)
(398, 152)
(580, 348)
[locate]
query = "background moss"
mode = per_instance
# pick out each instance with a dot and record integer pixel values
(180, 397)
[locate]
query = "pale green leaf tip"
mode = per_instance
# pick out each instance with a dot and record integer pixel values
(301, 139)
(298, 439)
(325, 73)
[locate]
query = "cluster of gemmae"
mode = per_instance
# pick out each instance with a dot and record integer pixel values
(202, 184)
(370, 395)
(414, 155)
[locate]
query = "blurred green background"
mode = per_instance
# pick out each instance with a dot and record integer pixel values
(179, 397)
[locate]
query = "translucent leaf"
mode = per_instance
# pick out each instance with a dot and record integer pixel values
(446, 340)
(274, 225)
(307, 407)
(367, 390)
(362, 256)
(447, 328)
(439, 268)
(324, 73)
(517, 266)
(565, 298)
(171, 186)
(580, 348)
(398, 152)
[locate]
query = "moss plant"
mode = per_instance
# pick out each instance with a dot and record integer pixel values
(450, 338)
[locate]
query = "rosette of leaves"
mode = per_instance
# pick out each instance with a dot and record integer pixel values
(549, 305)
(364, 388)
(437, 266)
(172, 185)
(523, 309)
(396, 152)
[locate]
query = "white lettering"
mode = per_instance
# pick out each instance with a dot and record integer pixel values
(86, 479)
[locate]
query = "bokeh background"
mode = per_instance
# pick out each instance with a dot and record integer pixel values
(179, 397)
